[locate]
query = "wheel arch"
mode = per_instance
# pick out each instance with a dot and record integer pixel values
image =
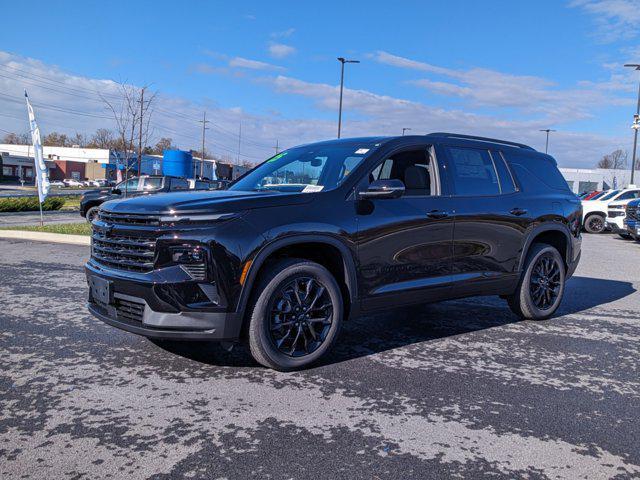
(555, 235)
(298, 245)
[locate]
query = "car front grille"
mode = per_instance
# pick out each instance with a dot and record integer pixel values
(128, 218)
(125, 252)
(632, 212)
(197, 271)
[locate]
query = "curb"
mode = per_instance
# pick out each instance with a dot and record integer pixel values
(46, 237)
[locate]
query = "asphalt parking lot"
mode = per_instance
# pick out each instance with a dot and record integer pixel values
(457, 389)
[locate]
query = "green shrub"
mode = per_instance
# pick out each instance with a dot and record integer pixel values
(29, 204)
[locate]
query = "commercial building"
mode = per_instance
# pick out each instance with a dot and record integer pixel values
(62, 162)
(587, 180)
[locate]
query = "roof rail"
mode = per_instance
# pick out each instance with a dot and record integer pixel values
(480, 139)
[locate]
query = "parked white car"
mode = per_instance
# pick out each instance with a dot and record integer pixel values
(594, 212)
(616, 214)
(70, 182)
(56, 183)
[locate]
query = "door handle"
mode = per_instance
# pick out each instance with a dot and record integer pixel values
(518, 211)
(437, 214)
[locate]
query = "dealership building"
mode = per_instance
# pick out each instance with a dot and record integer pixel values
(590, 179)
(62, 162)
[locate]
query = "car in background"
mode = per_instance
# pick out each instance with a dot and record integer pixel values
(143, 185)
(200, 184)
(590, 195)
(632, 219)
(616, 216)
(70, 182)
(56, 183)
(594, 212)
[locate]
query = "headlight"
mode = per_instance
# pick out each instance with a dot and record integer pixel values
(185, 255)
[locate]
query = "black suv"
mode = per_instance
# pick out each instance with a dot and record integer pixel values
(143, 185)
(327, 231)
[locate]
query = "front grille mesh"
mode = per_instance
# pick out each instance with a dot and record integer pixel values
(128, 310)
(125, 252)
(632, 212)
(197, 271)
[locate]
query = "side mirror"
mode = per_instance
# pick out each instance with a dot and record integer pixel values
(116, 191)
(392, 188)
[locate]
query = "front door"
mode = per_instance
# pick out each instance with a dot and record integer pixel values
(405, 245)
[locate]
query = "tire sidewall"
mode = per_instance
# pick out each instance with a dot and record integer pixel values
(588, 227)
(95, 212)
(536, 312)
(259, 326)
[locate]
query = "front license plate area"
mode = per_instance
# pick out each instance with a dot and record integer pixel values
(101, 290)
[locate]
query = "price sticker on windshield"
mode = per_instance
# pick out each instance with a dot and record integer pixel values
(361, 151)
(312, 188)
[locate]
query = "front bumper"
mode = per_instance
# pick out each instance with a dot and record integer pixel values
(139, 307)
(616, 224)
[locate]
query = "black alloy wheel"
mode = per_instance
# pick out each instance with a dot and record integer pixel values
(92, 214)
(295, 314)
(544, 285)
(595, 224)
(301, 316)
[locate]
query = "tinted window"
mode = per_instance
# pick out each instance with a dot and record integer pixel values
(473, 172)
(179, 184)
(607, 196)
(507, 184)
(152, 183)
(542, 167)
(629, 195)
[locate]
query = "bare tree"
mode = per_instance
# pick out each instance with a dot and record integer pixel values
(132, 115)
(55, 139)
(103, 138)
(17, 139)
(616, 160)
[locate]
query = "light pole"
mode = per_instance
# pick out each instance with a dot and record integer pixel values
(342, 62)
(546, 147)
(404, 129)
(636, 125)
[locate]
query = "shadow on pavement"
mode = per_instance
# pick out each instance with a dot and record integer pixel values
(404, 326)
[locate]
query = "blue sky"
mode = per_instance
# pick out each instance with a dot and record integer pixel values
(499, 68)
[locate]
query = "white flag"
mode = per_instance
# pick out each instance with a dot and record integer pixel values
(42, 177)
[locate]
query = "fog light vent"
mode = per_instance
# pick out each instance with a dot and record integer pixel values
(197, 271)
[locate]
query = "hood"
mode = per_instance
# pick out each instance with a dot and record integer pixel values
(213, 201)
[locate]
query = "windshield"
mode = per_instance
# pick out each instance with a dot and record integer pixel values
(310, 168)
(609, 195)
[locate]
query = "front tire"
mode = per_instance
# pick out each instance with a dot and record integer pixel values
(595, 223)
(295, 315)
(91, 214)
(625, 236)
(541, 286)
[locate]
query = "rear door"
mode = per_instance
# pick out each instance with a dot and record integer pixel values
(405, 245)
(490, 220)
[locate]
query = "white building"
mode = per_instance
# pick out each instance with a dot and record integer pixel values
(590, 179)
(62, 162)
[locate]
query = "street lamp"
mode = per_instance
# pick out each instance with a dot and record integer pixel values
(546, 147)
(404, 129)
(636, 124)
(342, 62)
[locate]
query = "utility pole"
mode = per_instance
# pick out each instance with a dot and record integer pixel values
(342, 62)
(277, 147)
(635, 126)
(239, 140)
(546, 147)
(204, 122)
(140, 132)
(404, 129)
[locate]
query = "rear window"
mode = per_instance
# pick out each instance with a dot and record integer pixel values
(539, 166)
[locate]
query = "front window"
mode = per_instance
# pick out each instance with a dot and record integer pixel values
(129, 185)
(609, 195)
(310, 168)
(152, 183)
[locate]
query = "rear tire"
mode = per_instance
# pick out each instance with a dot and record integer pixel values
(295, 315)
(625, 236)
(541, 285)
(595, 223)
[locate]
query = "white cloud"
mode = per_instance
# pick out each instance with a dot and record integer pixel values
(615, 19)
(240, 62)
(530, 94)
(284, 33)
(70, 103)
(280, 50)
